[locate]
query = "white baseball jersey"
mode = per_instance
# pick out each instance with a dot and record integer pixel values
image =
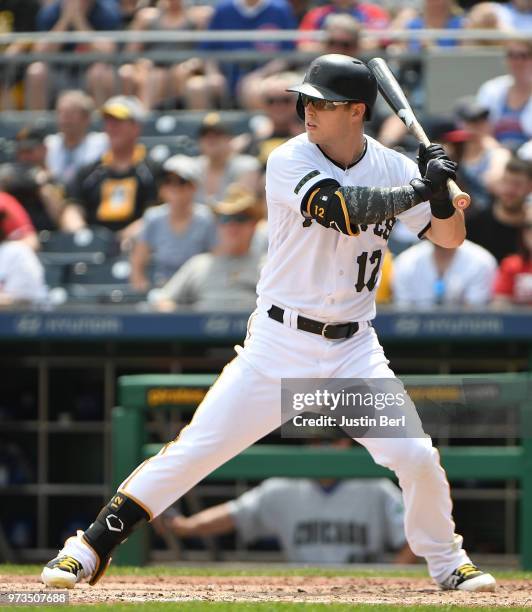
(336, 275)
(355, 521)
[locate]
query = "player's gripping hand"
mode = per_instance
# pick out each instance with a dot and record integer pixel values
(425, 154)
(433, 186)
(440, 203)
(438, 172)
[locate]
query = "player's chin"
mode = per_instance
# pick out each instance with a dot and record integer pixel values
(312, 134)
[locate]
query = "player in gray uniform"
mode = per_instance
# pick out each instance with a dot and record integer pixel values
(333, 195)
(314, 521)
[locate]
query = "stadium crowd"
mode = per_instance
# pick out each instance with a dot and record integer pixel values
(104, 196)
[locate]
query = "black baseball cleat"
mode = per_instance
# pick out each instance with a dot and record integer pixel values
(62, 572)
(468, 577)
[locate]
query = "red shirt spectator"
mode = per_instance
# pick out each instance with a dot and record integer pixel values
(513, 282)
(17, 224)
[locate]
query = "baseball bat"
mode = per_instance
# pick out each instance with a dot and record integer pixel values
(393, 94)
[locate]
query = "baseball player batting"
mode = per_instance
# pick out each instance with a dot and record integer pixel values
(333, 196)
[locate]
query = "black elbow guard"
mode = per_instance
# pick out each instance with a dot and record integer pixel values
(327, 206)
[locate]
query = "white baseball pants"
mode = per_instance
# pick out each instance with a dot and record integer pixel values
(245, 404)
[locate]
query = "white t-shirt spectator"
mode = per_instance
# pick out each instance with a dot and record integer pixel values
(352, 521)
(511, 128)
(64, 163)
(512, 18)
(467, 280)
(21, 273)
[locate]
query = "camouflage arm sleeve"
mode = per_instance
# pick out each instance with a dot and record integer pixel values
(344, 208)
(367, 205)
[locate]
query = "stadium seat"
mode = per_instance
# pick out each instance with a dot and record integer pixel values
(12, 122)
(105, 283)
(162, 147)
(90, 245)
(54, 273)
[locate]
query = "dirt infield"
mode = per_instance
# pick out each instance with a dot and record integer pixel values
(403, 591)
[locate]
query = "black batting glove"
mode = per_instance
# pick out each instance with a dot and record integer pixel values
(434, 182)
(441, 205)
(438, 172)
(425, 154)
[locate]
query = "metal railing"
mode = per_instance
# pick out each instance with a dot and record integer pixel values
(211, 36)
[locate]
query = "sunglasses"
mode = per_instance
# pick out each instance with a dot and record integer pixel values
(176, 181)
(518, 55)
(237, 218)
(319, 104)
(343, 44)
(279, 100)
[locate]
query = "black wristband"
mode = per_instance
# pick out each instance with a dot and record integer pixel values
(441, 208)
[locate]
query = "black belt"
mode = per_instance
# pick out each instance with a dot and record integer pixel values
(331, 331)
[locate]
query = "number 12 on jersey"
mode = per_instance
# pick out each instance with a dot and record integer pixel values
(375, 261)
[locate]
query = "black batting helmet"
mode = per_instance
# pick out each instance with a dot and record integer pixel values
(338, 78)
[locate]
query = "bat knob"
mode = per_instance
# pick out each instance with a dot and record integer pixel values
(461, 201)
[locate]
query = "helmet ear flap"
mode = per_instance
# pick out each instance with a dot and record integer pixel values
(300, 109)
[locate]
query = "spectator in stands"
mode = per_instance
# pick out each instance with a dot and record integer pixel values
(15, 16)
(226, 278)
(21, 273)
(516, 15)
(219, 166)
(513, 282)
(509, 97)
(129, 10)
(341, 35)
(370, 15)
(30, 145)
(300, 8)
(314, 521)
(115, 190)
(256, 15)
(193, 83)
(16, 224)
(498, 228)
(174, 231)
(78, 16)
(482, 159)
(30, 182)
(426, 275)
(74, 145)
(438, 15)
(483, 16)
(279, 121)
